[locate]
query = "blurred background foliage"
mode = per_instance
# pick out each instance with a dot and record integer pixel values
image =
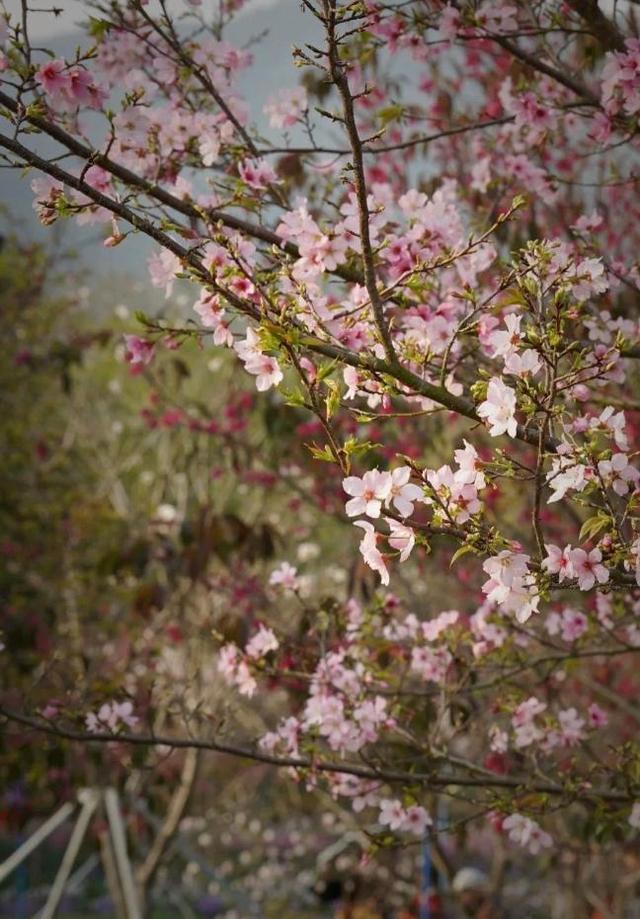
(140, 516)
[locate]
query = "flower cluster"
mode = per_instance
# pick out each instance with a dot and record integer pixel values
(620, 86)
(511, 584)
(111, 716)
(584, 566)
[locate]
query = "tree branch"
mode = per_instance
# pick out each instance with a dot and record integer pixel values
(341, 82)
(603, 29)
(427, 779)
(392, 368)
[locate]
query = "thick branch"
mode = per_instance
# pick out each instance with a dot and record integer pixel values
(603, 29)
(115, 207)
(427, 779)
(536, 63)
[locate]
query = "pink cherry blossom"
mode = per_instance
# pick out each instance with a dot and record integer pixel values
(510, 584)
(228, 660)
(590, 279)
(526, 730)
(499, 739)
(266, 371)
(138, 350)
(621, 79)
(433, 628)
(163, 267)
(285, 576)
(528, 709)
(402, 538)
(499, 408)
(527, 734)
(82, 89)
(504, 343)
(264, 367)
(123, 711)
(571, 726)
(522, 364)
(431, 663)
(450, 22)
(619, 474)
(588, 568)
(497, 16)
(497, 262)
(574, 624)
(470, 466)
(261, 643)
(392, 813)
(235, 670)
(402, 493)
(209, 145)
(616, 424)
(47, 192)
(370, 552)
(53, 76)
(286, 107)
(369, 493)
(212, 317)
(257, 174)
(566, 475)
(526, 833)
(244, 681)
(588, 223)
(558, 561)
(598, 718)
(111, 716)
(464, 502)
(416, 820)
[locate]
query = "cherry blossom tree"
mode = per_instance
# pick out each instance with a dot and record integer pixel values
(432, 251)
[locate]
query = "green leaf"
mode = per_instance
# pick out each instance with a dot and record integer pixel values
(332, 399)
(389, 114)
(355, 447)
(326, 370)
(463, 550)
(98, 28)
(321, 453)
(293, 397)
(593, 525)
(479, 390)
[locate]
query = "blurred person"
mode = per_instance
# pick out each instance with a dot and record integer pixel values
(434, 905)
(472, 891)
(356, 904)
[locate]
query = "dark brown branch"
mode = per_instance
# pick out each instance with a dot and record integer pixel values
(341, 82)
(119, 210)
(603, 29)
(429, 780)
(585, 96)
(389, 148)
